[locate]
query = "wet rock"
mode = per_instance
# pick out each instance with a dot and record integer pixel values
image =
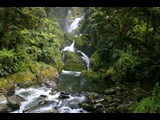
(110, 91)
(117, 100)
(51, 111)
(15, 101)
(100, 100)
(63, 96)
(138, 93)
(81, 111)
(108, 99)
(43, 96)
(5, 108)
(76, 94)
(64, 93)
(92, 96)
(110, 110)
(118, 88)
(98, 105)
(43, 102)
(53, 93)
(33, 105)
(123, 108)
(114, 104)
(86, 106)
(2, 98)
(73, 106)
(100, 110)
(11, 91)
(50, 84)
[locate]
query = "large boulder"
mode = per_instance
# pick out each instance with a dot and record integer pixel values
(50, 84)
(5, 108)
(73, 62)
(63, 95)
(51, 111)
(2, 98)
(87, 106)
(138, 93)
(15, 101)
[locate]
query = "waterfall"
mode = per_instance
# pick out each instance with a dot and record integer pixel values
(69, 48)
(43, 99)
(74, 25)
(85, 58)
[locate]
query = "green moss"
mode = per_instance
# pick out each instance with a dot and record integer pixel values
(74, 62)
(68, 38)
(83, 43)
(96, 62)
(149, 104)
(36, 75)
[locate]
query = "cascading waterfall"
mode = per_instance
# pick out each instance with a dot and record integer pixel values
(74, 25)
(71, 48)
(85, 58)
(42, 99)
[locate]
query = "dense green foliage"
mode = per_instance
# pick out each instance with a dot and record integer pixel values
(126, 41)
(68, 38)
(148, 105)
(127, 46)
(123, 45)
(83, 43)
(27, 34)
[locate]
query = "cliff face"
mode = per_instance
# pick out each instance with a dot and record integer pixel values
(60, 13)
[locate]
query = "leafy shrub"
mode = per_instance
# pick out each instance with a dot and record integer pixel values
(8, 62)
(149, 104)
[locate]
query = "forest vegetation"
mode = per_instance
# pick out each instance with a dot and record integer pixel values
(123, 44)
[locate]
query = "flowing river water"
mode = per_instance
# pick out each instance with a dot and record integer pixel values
(43, 99)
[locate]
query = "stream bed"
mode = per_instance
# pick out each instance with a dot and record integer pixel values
(44, 100)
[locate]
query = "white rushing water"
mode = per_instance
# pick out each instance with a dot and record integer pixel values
(74, 24)
(74, 73)
(69, 48)
(85, 58)
(32, 98)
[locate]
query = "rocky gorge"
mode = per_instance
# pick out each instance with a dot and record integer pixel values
(79, 60)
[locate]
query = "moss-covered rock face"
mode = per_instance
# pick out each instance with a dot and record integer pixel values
(73, 62)
(83, 43)
(37, 74)
(68, 38)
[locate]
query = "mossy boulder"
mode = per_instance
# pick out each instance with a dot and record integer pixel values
(138, 93)
(83, 43)
(15, 101)
(73, 62)
(4, 108)
(86, 106)
(37, 74)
